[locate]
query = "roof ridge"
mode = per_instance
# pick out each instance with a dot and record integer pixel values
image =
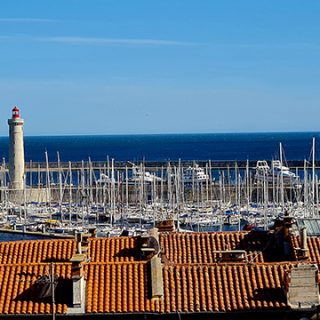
(33, 264)
(220, 264)
(111, 238)
(36, 240)
(204, 232)
(116, 262)
(69, 263)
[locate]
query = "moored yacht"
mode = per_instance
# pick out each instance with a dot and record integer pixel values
(195, 174)
(142, 176)
(277, 171)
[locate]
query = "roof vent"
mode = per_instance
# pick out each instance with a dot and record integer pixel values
(231, 255)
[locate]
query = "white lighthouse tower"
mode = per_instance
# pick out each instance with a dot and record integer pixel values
(16, 150)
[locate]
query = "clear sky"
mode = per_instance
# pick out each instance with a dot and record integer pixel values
(162, 66)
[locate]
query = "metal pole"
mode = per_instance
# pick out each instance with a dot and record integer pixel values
(52, 282)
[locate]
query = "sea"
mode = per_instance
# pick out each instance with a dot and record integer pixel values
(164, 147)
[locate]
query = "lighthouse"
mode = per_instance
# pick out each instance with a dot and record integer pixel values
(16, 150)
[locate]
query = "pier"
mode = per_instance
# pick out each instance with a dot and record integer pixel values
(32, 166)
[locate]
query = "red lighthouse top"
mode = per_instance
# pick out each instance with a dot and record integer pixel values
(15, 113)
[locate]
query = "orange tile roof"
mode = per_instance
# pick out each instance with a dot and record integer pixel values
(118, 278)
(313, 246)
(118, 287)
(117, 249)
(177, 247)
(122, 288)
(199, 247)
(224, 288)
(36, 251)
(314, 249)
(18, 291)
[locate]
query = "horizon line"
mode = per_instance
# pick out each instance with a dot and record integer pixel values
(162, 134)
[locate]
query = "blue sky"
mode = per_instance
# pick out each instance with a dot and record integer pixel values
(169, 66)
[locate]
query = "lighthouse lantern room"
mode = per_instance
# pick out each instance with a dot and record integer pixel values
(15, 113)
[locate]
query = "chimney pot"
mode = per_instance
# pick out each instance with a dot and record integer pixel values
(304, 242)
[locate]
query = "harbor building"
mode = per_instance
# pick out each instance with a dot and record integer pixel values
(16, 151)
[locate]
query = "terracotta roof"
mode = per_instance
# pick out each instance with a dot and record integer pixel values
(177, 247)
(119, 287)
(36, 251)
(199, 247)
(122, 288)
(313, 246)
(119, 279)
(224, 288)
(19, 291)
(117, 249)
(314, 249)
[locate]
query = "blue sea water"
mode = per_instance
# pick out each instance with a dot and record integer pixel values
(219, 146)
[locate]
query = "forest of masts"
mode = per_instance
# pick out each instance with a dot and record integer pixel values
(140, 185)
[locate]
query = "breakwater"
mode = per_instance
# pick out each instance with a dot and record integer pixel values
(118, 183)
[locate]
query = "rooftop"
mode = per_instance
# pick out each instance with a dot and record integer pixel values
(200, 272)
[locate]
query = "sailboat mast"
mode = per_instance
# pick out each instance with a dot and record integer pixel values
(313, 174)
(48, 180)
(281, 178)
(60, 184)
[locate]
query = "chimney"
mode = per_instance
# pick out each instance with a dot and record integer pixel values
(85, 242)
(78, 284)
(288, 222)
(165, 225)
(302, 287)
(78, 237)
(77, 275)
(150, 250)
(93, 232)
(303, 252)
(82, 240)
(304, 242)
(150, 243)
(156, 277)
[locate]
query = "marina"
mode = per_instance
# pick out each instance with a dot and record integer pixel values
(117, 197)
(128, 198)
